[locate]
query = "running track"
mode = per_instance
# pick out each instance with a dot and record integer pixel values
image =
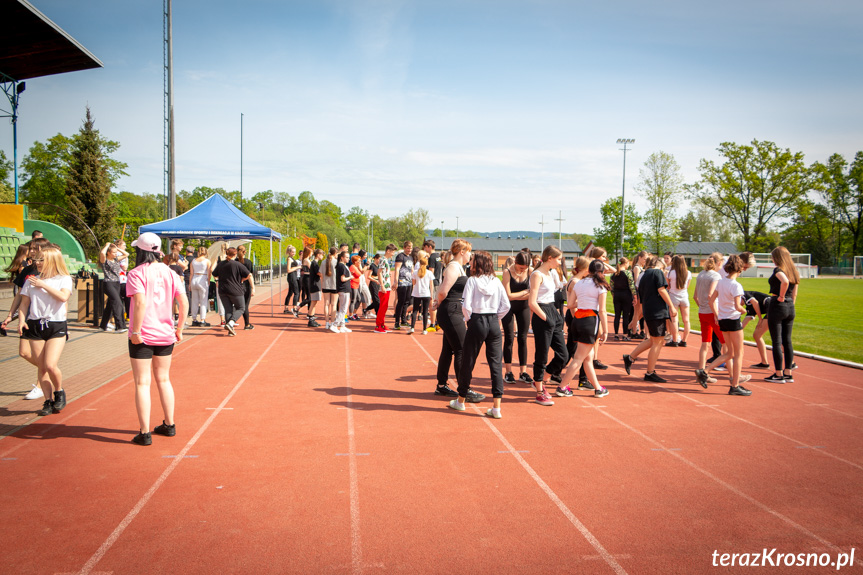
(303, 451)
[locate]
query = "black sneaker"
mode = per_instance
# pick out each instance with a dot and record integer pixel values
(681, 344)
(739, 390)
(143, 439)
(761, 366)
(654, 378)
(473, 397)
(2, 332)
(672, 343)
(445, 391)
(59, 401)
(508, 377)
(557, 378)
(793, 366)
(205, 324)
(230, 329)
(701, 376)
(599, 365)
(563, 391)
(773, 378)
(295, 312)
(166, 430)
(313, 323)
(627, 363)
(600, 392)
(196, 323)
(526, 378)
(249, 326)
(788, 378)
(584, 384)
(47, 408)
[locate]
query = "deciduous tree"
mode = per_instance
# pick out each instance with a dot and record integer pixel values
(608, 236)
(661, 185)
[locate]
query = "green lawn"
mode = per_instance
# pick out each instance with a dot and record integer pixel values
(829, 316)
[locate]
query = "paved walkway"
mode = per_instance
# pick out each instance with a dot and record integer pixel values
(90, 359)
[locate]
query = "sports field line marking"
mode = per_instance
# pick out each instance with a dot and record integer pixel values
(112, 538)
(857, 387)
(356, 542)
(723, 483)
(821, 405)
(585, 532)
(753, 424)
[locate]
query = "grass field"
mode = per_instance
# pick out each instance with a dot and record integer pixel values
(828, 322)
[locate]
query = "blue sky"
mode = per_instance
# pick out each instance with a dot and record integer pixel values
(499, 113)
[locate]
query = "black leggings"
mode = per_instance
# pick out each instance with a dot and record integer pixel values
(623, 309)
(518, 318)
(114, 306)
(247, 296)
(421, 304)
(306, 290)
(293, 290)
(483, 328)
(374, 289)
(547, 335)
(780, 321)
(404, 295)
(451, 321)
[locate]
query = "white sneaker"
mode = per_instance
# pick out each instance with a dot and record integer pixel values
(334, 328)
(344, 329)
(424, 332)
(410, 331)
(35, 393)
(329, 325)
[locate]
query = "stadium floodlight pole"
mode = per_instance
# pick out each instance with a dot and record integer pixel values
(441, 234)
(559, 219)
(13, 90)
(241, 155)
(457, 235)
(625, 142)
(542, 233)
(172, 176)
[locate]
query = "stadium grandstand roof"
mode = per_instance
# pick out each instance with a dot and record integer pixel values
(505, 245)
(692, 248)
(31, 45)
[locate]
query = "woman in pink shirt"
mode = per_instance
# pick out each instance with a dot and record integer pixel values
(153, 288)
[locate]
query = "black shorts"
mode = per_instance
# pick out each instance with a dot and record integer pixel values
(585, 329)
(43, 331)
(325, 290)
(655, 327)
(730, 325)
(144, 351)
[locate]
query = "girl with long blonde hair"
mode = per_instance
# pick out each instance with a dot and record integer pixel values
(780, 315)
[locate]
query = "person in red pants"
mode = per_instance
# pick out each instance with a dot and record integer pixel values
(385, 279)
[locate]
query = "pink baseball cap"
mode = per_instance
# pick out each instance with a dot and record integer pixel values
(148, 241)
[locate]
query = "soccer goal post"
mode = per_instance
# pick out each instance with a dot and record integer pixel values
(764, 265)
(858, 267)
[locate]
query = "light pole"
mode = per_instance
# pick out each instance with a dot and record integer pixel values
(457, 236)
(241, 156)
(559, 219)
(542, 233)
(441, 234)
(625, 142)
(13, 91)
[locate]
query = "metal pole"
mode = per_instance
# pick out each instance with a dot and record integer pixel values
(241, 166)
(15, 138)
(623, 141)
(457, 235)
(542, 234)
(272, 297)
(172, 177)
(441, 234)
(560, 219)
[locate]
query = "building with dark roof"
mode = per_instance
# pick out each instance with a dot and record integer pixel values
(502, 248)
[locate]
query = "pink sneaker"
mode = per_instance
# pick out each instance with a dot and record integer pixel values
(543, 398)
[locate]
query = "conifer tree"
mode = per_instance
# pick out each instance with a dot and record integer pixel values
(88, 185)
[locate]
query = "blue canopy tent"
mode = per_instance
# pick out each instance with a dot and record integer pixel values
(217, 219)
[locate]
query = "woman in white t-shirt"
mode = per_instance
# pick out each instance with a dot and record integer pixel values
(423, 287)
(589, 326)
(727, 303)
(154, 288)
(678, 290)
(43, 303)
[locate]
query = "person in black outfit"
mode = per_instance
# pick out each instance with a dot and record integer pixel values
(114, 307)
(451, 319)
(247, 287)
(780, 315)
(231, 275)
(374, 286)
(404, 269)
(516, 280)
(623, 294)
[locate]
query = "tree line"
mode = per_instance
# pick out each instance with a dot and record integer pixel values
(756, 195)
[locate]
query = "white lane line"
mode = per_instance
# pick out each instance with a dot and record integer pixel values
(356, 542)
(806, 401)
(585, 532)
(752, 423)
(724, 484)
(112, 538)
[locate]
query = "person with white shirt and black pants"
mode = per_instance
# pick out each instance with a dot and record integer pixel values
(547, 324)
(43, 303)
(485, 303)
